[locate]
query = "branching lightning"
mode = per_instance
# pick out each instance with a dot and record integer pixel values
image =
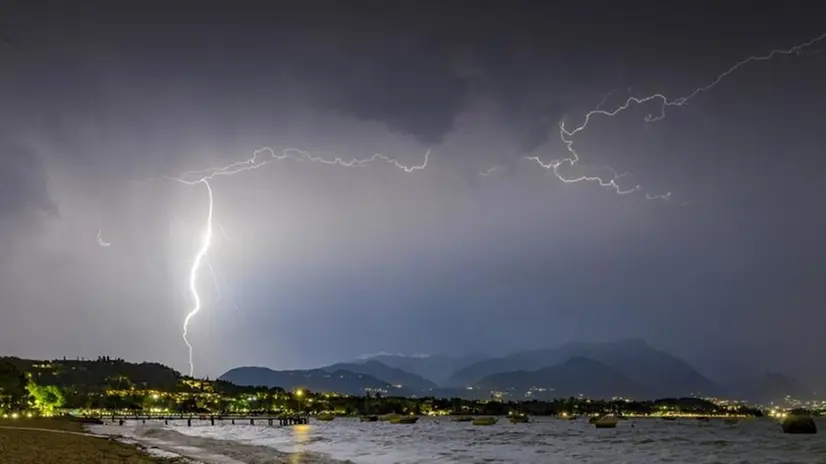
(260, 158)
(223, 232)
(567, 136)
(219, 287)
(490, 170)
(266, 155)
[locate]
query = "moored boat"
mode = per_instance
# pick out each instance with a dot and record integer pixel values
(798, 424)
(518, 418)
(404, 420)
(484, 421)
(606, 422)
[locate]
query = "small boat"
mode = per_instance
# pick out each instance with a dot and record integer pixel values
(518, 418)
(388, 417)
(606, 422)
(669, 418)
(404, 420)
(325, 417)
(703, 418)
(463, 419)
(485, 421)
(571, 417)
(368, 418)
(798, 424)
(593, 419)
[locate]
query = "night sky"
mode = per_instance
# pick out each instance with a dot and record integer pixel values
(323, 263)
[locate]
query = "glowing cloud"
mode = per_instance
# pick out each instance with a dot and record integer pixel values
(260, 158)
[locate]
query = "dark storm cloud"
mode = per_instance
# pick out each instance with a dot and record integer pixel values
(24, 183)
(100, 95)
(406, 83)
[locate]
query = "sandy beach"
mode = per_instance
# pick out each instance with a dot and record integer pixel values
(161, 441)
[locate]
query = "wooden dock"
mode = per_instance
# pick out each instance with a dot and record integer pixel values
(220, 420)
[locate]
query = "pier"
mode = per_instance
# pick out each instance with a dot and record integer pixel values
(212, 419)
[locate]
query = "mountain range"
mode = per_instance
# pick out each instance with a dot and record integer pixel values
(399, 378)
(662, 373)
(321, 380)
(574, 377)
(436, 368)
(628, 368)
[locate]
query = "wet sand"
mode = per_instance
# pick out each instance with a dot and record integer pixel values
(205, 450)
(49, 442)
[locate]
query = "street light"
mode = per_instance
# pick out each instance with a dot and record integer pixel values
(299, 393)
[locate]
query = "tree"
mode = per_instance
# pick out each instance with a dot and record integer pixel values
(12, 387)
(188, 405)
(46, 397)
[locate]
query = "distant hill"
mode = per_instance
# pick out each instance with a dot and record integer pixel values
(661, 373)
(392, 375)
(100, 374)
(317, 380)
(576, 376)
(436, 368)
(773, 387)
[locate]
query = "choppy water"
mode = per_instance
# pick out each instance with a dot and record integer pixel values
(545, 440)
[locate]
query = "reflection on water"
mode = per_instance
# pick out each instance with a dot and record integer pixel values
(301, 436)
(542, 441)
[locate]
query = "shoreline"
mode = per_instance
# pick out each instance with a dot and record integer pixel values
(163, 442)
(57, 441)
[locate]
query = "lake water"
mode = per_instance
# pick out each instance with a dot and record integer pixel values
(545, 440)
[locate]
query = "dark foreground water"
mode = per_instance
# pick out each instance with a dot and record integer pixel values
(545, 440)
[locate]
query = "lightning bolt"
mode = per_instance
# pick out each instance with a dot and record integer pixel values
(101, 241)
(260, 158)
(206, 241)
(567, 136)
(223, 232)
(490, 170)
